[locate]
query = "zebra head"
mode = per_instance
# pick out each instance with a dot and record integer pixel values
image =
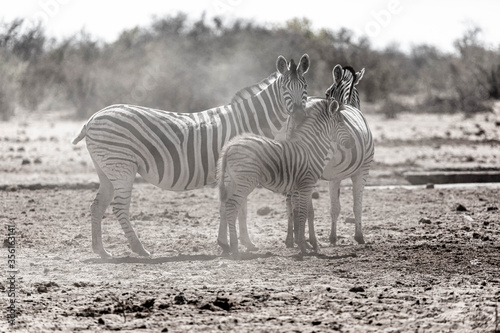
(340, 132)
(343, 88)
(292, 84)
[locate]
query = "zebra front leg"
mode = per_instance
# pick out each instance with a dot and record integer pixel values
(300, 202)
(334, 189)
(289, 213)
(293, 225)
(97, 210)
(244, 236)
(358, 186)
(310, 223)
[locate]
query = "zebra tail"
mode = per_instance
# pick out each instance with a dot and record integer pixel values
(80, 136)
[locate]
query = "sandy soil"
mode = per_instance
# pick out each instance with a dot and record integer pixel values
(430, 265)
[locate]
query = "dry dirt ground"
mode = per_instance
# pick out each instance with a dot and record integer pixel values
(431, 262)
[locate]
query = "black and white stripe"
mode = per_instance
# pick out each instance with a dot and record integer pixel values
(288, 166)
(179, 151)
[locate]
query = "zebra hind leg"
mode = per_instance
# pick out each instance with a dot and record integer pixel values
(334, 188)
(244, 236)
(97, 210)
(289, 210)
(358, 186)
(122, 183)
(228, 212)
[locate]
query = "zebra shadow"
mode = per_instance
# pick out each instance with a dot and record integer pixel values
(177, 258)
(208, 257)
(151, 261)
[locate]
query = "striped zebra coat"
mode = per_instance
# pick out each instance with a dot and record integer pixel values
(179, 151)
(292, 165)
(353, 162)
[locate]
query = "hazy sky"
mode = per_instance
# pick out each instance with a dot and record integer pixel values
(405, 22)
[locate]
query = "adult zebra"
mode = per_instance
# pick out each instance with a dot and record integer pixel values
(178, 151)
(353, 162)
(292, 165)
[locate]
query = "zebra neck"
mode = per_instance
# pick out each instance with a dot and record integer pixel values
(317, 146)
(354, 99)
(265, 111)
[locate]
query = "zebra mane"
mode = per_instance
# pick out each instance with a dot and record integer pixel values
(293, 68)
(353, 72)
(250, 91)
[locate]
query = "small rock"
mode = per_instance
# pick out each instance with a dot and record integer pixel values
(460, 208)
(180, 299)
(100, 321)
(357, 289)
(41, 289)
(25, 161)
(429, 186)
(223, 303)
(263, 211)
(425, 220)
(37, 160)
(316, 322)
(475, 235)
(315, 195)
(148, 304)
(491, 208)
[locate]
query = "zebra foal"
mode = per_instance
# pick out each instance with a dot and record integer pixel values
(292, 165)
(179, 151)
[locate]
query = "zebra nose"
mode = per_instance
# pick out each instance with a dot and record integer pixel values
(297, 108)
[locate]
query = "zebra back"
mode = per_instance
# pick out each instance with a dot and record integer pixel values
(250, 91)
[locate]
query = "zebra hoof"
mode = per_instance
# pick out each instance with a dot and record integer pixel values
(359, 239)
(104, 254)
(225, 248)
(251, 247)
(142, 252)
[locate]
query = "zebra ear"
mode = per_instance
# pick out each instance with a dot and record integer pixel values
(337, 73)
(281, 65)
(334, 106)
(359, 76)
(303, 65)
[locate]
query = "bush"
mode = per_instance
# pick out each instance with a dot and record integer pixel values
(7, 99)
(186, 65)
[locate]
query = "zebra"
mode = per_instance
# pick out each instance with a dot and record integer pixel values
(283, 166)
(179, 151)
(353, 162)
